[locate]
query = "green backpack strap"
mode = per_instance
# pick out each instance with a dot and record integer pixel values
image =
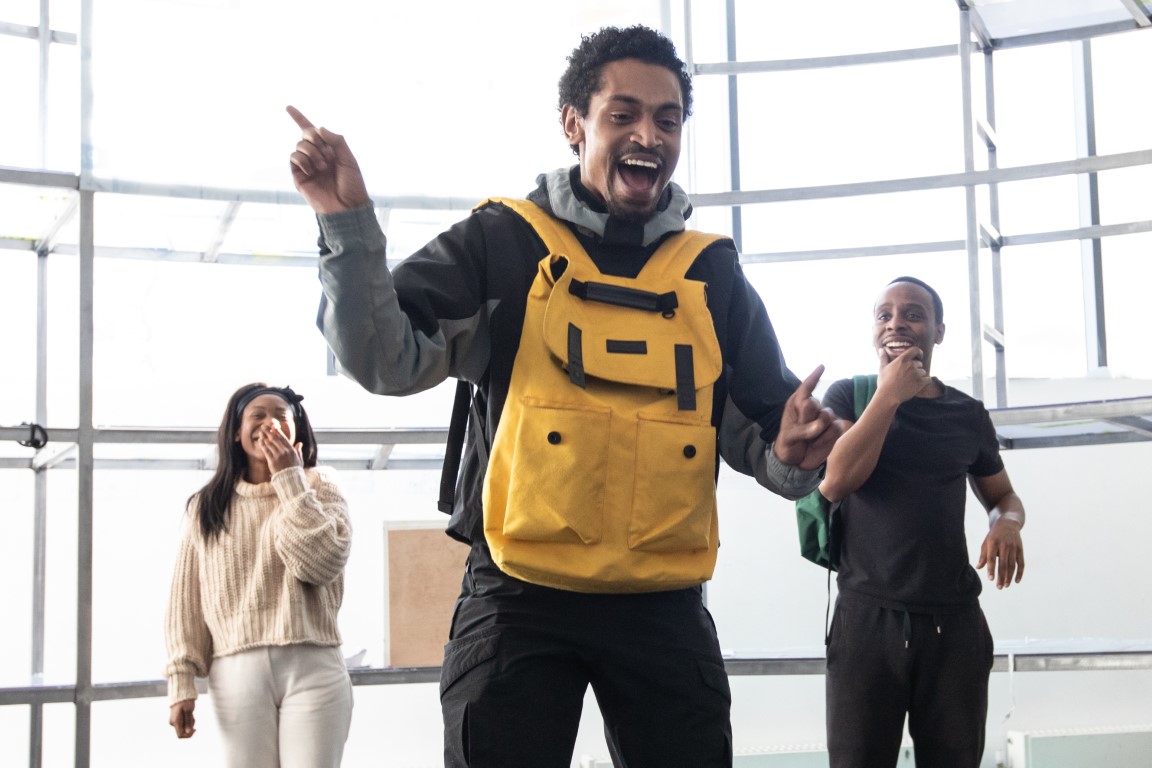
(863, 388)
(814, 512)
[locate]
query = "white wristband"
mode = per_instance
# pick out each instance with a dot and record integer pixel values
(1017, 517)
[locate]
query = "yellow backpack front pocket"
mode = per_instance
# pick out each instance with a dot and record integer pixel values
(558, 477)
(674, 501)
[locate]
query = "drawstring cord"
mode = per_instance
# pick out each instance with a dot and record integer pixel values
(908, 626)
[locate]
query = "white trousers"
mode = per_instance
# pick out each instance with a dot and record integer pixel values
(282, 706)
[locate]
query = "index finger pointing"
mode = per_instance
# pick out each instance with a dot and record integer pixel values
(298, 116)
(808, 386)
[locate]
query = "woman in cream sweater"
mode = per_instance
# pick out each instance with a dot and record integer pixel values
(258, 582)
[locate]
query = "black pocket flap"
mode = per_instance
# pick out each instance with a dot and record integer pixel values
(465, 654)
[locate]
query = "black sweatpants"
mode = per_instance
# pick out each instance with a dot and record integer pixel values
(521, 657)
(884, 664)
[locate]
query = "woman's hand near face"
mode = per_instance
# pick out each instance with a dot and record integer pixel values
(278, 452)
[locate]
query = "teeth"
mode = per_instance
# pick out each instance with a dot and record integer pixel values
(642, 163)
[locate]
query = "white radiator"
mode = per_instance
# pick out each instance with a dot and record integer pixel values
(1120, 747)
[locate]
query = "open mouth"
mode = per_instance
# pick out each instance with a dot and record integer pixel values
(639, 174)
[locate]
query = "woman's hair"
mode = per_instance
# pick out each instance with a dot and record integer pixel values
(215, 498)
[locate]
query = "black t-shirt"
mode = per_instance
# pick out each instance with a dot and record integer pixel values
(902, 531)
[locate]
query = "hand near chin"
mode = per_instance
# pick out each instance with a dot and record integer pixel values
(903, 374)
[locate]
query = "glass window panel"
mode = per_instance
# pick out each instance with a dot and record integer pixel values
(262, 228)
(64, 15)
(795, 30)
(1044, 339)
(25, 12)
(1121, 106)
(62, 136)
(135, 557)
(1039, 205)
(1127, 270)
(120, 737)
(14, 727)
(847, 222)
(18, 342)
(27, 213)
(195, 332)
(60, 580)
(1035, 115)
(849, 124)
(63, 339)
(59, 735)
(16, 488)
(1124, 195)
(705, 160)
(161, 223)
(485, 139)
(19, 93)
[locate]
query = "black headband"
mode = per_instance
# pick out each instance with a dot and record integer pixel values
(284, 392)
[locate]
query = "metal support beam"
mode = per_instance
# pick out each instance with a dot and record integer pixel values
(971, 236)
(733, 123)
(987, 130)
(82, 747)
(1138, 11)
(39, 519)
(1088, 186)
(226, 220)
(84, 486)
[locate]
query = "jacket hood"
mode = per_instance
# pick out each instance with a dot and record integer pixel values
(561, 193)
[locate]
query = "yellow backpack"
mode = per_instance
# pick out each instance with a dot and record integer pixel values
(601, 476)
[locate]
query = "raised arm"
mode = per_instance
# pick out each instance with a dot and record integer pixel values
(324, 169)
(1003, 549)
(854, 456)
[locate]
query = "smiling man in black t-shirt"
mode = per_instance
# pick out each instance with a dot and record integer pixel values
(908, 636)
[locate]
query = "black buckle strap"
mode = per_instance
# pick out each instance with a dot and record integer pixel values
(575, 356)
(685, 378)
(622, 296)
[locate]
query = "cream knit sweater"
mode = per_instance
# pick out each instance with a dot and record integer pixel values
(275, 577)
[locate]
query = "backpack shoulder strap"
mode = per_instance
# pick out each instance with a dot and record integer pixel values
(864, 387)
(557, 237)
(454, 446)
(677, 254)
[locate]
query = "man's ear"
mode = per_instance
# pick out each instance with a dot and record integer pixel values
(939, 333)
(573, 125)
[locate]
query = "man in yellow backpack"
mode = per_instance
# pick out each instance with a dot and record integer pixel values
(616, 357)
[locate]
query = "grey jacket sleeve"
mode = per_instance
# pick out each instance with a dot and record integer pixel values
(743, 448)
(374, 338)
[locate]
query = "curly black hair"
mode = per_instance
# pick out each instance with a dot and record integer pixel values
(582, 78)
